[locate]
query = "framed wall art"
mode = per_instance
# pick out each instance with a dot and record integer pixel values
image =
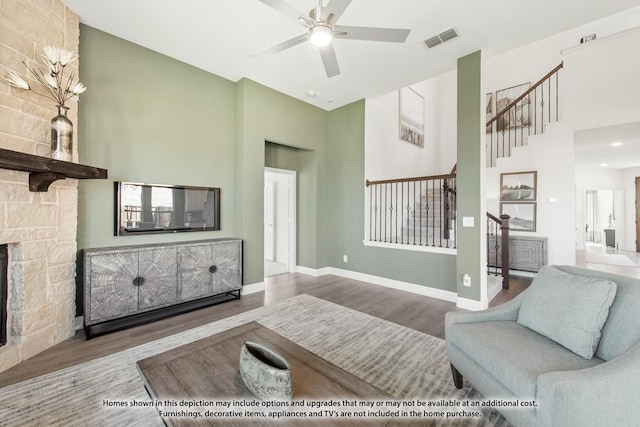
(522, 215)
(411, 116)
(517, 116)
(518, 186)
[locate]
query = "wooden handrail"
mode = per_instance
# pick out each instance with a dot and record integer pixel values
(531, 89)
(506, 262)
(494, 218)
(419, 178)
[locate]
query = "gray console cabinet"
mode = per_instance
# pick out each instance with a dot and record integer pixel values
(526, 253)
(129, 285)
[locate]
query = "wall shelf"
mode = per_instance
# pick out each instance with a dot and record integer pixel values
(43, 171)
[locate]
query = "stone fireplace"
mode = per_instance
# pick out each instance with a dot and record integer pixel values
(39, 229)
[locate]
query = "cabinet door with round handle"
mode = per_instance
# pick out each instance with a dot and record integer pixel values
(227, 258)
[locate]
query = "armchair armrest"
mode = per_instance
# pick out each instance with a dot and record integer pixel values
(606, 394)
(506, 311)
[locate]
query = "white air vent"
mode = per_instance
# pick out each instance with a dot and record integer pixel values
(441, 38)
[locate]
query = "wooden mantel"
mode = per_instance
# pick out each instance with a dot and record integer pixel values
(43, 170)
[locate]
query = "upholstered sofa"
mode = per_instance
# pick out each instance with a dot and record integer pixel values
(569, 344)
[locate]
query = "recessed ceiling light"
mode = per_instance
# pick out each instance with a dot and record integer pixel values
(604, 165)
(616, 144)
(311, 93)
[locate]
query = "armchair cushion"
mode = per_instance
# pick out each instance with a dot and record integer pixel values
(511, 353)
(570, 310)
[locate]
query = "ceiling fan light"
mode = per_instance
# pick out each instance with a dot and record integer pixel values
(320, 35)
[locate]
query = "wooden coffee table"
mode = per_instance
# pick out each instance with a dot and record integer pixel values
(208, 370)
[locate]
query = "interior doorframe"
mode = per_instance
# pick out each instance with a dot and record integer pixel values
(291, 214)
(637, 212)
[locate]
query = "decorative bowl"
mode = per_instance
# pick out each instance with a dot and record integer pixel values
(265, 373)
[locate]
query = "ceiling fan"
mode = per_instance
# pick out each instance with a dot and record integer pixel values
(321, 30)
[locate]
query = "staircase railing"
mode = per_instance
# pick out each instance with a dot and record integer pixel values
(422, 211)
(498, 261)
(413, 211)
(524, 116)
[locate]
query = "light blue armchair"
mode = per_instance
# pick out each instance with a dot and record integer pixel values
(567, 350)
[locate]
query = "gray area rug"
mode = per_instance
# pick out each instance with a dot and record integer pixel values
(401, 361)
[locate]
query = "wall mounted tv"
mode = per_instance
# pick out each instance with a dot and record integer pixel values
(153, 208)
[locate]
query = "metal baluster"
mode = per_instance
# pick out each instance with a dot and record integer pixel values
(433, 213)
(488, 229)
(400, 208)
(557, 107)
(491, 137)
(414, 213)
(542, 110)
(391, 209)
(497, 245)
(522, 122)
(453, 212)
(370, 209)
(535, 111)
(549, 85)
(385, 213)
(441, 210)
(420, 210)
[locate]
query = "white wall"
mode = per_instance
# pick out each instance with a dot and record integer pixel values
(600, 179)
(388, 157)
(557, 220)
(555, 198)
(601, 82)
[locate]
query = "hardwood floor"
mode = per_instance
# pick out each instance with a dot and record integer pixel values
(418, 312)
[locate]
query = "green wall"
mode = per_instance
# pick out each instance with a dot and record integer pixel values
(149, 118)
(471, 197)
(269, 116)
(344, 221)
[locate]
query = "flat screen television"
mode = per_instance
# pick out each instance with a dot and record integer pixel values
(155, 208)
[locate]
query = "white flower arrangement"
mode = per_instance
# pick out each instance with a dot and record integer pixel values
(57, 87)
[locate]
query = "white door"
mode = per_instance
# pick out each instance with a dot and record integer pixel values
(269, 224)
(279, 221)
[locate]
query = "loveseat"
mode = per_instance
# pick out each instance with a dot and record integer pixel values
(566, 350)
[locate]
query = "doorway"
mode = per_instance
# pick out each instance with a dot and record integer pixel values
(602, 218)
(279, 221)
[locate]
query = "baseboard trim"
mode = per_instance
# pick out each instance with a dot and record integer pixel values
(382, 281)
(313, 272)
(470, 304)
(252, 288)
(415, 248)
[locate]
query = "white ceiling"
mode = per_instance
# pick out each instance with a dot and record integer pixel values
(219, 36)
(594, 148)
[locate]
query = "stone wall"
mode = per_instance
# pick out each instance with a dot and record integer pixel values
(40, 228)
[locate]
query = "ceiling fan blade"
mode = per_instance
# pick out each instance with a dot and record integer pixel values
(287, 10)
(329, 60)
(279, 47)
(395, 35)
(337, 7)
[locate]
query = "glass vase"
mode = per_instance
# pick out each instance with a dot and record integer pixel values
(62, 136)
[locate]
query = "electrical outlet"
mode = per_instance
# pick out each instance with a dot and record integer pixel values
(345, 258)
(466, 280)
